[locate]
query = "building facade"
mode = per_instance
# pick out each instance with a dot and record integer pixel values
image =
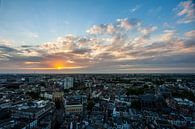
(68, 82)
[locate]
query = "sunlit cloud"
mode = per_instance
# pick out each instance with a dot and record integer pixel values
(186, 11)
(105, 47)
(31, 63)
(57, 68)
(190, 34)
(52, 65)
(6, 42)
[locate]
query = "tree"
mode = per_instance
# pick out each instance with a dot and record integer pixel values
(136, 104)
(90, 105)
(33, 95)
(185, 95)
(58, 104)
(57, 125)
(135, 91)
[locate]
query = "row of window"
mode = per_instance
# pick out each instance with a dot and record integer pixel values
(73, 110)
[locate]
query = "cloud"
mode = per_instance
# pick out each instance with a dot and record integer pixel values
(168, 25)
(118, 26)
(31, 63)
(186, 11)
(167, 35)
(147, 31)
(28, 46)
(7, 49)
(126, 24)
(81, 51)
(101, 29)
(190, 34)
(31, 35)
(123, 44)
(6, 42)
(135, 9)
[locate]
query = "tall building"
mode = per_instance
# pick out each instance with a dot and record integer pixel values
(68, 82)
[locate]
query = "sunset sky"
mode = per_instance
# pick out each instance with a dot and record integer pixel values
(97, 36)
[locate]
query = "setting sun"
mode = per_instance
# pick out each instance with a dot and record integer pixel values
(59, 68)
(59, 64)
(123, 38)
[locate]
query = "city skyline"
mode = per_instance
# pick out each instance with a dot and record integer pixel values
(97, 36)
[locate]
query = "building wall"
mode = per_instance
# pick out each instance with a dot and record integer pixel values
(73, 108)
(68, 82)
(58, 95)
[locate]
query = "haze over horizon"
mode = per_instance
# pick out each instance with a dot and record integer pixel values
(97, 36)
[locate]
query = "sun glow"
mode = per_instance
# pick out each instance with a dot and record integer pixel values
(59, 68)
(57, 64)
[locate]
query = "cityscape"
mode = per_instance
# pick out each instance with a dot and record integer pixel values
(97, 64)
(97, 101)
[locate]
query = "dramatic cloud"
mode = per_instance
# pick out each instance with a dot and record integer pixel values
(5, 42)
(101, 29)
(148, 31)
(190, 39)
(117, 27)
(7, 49)
(123, 45)
(190, 34)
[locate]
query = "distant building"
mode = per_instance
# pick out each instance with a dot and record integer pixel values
(58, 95)
(184, 106)
(115, 113)
(73, 105)
(152, 102)
(47, 95)
(164, 91)
(3, 80)
(33, 110)
(68, 83)
(73, 108)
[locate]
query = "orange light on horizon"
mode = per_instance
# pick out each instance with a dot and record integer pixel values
(31, 62)
(57, 64)
(42, 68)
(59, 68)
